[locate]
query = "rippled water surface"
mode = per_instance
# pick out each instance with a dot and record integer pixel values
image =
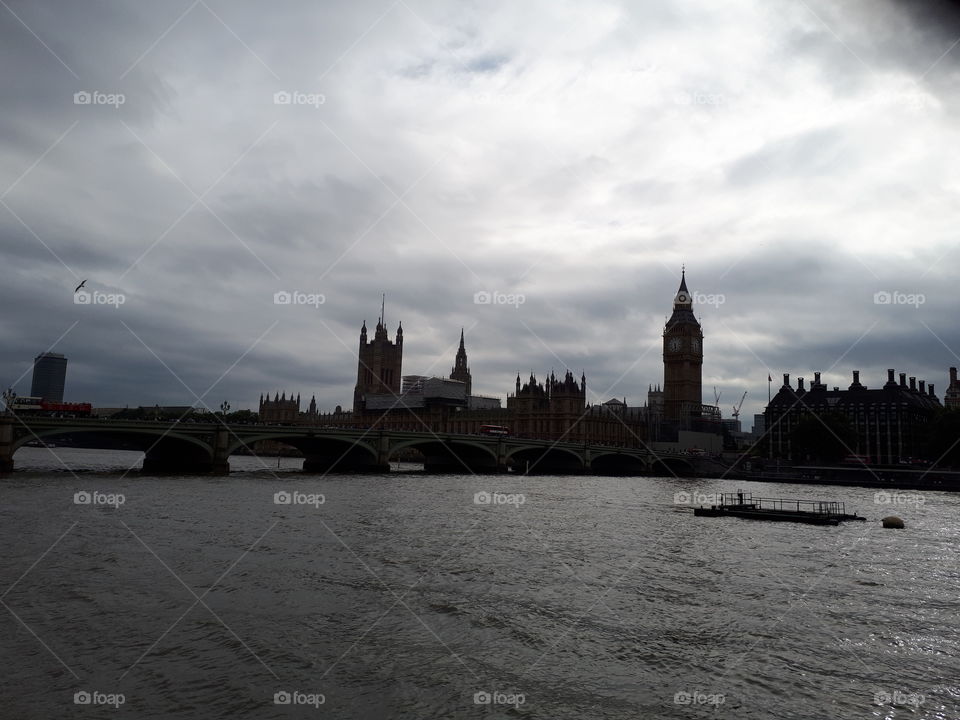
(399, 596)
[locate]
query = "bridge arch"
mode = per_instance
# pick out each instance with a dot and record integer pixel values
(164, 450)
(298, 441)
(546, 459)
(618, 463)
(322, 452)
(455, 455)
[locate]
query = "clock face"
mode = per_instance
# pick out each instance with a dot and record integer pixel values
(674, 344)
(682, 297)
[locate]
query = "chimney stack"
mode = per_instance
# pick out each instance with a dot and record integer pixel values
(930, 388)
(913, 384)
(890, 375)
(786, 379)
(953, 376)
(903, 380)
(800, 384)
(816, 379)
(923, 387)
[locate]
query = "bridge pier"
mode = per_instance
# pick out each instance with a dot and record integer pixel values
(6, 444)
(173, 456)
(156, 464)
(220, 464)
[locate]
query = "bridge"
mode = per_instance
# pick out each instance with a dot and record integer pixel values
(193, 448)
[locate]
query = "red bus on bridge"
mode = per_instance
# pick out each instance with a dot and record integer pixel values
(499, 430)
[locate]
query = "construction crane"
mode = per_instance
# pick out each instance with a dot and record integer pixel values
(716, 396)
(736, 408)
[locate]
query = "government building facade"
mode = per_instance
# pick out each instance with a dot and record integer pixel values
(554, 408)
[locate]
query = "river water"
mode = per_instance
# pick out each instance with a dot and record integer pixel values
(411, 596)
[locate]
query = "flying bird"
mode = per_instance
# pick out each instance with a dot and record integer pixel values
(77, 289)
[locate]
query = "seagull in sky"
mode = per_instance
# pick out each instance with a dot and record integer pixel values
(77, 289)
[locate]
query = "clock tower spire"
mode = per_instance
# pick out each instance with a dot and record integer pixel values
(682, 359)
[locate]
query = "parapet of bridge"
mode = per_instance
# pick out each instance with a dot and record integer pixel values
(206, 448)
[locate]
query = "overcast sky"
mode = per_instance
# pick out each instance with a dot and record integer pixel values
(798, 157)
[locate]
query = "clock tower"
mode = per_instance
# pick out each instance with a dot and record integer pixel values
(682, 359)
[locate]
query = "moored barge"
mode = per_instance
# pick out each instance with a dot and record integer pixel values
(744, 505)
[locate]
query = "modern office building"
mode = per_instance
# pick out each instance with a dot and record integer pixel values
(49, 376)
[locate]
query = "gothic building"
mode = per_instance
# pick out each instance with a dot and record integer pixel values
(461, 370)
(555, 398)
(378, 365)
(280, 410)
(682, 361)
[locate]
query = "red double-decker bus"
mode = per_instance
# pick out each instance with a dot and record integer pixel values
(39, 406)
(494, 430)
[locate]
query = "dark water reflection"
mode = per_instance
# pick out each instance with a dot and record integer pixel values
(400, 596)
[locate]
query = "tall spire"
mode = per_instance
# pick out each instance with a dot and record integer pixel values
(682, 299)
(461, 370)
(383, 309)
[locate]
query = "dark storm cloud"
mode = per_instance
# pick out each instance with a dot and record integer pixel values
(940, 17)
(574, 155)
